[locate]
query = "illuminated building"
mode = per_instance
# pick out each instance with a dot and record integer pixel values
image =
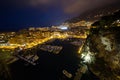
(4, 43)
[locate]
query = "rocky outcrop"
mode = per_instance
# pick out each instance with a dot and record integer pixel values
(106, 48)
(104, 44)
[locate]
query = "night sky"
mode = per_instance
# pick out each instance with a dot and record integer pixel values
(19, 14)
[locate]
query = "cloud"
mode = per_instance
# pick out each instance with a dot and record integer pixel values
(74, 6)
(68, 6)
(41, 2)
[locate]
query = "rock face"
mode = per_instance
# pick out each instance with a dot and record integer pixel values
(106, 47)
(104, 44)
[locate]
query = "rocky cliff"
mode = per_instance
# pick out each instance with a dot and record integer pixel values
(102, 48)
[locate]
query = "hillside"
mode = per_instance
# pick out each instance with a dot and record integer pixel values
(103, 47)
(95, 14)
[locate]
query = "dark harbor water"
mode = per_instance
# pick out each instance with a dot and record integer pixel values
(50, 66)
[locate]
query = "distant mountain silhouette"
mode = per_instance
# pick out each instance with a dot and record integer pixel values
(95, 14)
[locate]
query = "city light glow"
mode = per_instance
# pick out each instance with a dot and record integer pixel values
(87, 58)
(63, 27)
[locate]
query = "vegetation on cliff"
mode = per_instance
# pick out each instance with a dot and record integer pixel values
(103, 43)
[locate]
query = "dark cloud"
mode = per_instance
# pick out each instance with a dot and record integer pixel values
(68, 6)
(74, 6)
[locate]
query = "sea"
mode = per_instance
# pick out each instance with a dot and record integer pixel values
(50, 66)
